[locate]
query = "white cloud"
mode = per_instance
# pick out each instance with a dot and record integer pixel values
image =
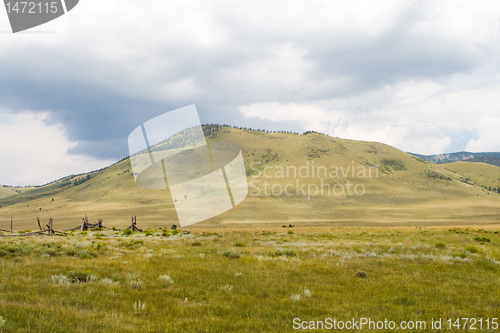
(412, 116)
(34, 153)
(489, 135)
(415, 136)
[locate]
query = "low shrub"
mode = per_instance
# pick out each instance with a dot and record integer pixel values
(133, 244)
(206, 234)
(279, 253)
(234, 255)
(109, 282)
(14, 251)
(440, 245)
(361, 274)
(82, 276)
(60, 279)
(69, 251)
(482, 239)
(487, 265)
(166, 280)
(86, 254)
(396, 165)
(127, 232)
(471, 249)
(230, 254)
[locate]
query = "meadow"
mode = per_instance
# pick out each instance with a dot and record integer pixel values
(247, 280)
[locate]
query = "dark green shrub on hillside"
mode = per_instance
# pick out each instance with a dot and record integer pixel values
(436, 175)
(482, 239)
(396, 165)
(230, 254)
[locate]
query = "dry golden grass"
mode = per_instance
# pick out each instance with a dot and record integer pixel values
(246, 280)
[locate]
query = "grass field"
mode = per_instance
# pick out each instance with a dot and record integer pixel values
(247, 280)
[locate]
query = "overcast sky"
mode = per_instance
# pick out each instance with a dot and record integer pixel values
(422, 76)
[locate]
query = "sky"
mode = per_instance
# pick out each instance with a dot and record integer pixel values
(422, 76)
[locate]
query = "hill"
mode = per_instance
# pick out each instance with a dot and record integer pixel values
(481, 174)
(7, 191)
(363, 183)
(486, 159)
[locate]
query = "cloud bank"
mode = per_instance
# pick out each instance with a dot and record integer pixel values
(419, 75)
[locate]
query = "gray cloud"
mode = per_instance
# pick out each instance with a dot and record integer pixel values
(100, 86)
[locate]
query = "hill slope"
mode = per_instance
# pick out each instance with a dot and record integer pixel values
(481, 174)
(387, 186)
(7, 191)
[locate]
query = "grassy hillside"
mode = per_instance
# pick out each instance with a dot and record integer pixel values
(397, 188)
(482, 174)
(7, 191)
